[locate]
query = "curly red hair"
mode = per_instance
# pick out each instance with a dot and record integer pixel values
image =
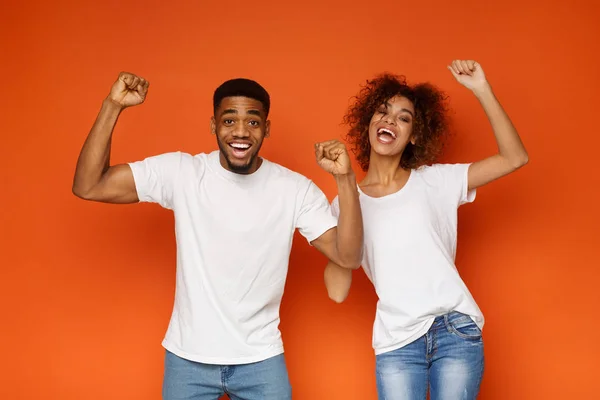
(430, 126)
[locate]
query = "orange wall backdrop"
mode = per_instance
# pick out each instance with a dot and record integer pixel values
(87, 289)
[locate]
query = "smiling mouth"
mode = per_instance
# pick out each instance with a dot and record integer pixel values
(385, 135)
(240, 150)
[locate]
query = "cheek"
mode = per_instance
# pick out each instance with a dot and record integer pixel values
(372, 136)
(410, 133)
(222, 133)
(258, 134)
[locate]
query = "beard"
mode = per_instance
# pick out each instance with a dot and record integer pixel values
(237, 168)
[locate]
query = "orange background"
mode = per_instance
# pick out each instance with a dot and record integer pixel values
(87, 289)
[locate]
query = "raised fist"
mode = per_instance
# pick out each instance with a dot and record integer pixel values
(469, 74)
(333, 157)
(129, 90)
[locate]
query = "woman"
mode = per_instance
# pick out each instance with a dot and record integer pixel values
(427, 331)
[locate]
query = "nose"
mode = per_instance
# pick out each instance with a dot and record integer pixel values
(389, 119)
(241, 131)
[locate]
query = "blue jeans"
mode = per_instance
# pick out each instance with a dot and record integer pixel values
(189, 380)
(448, 360)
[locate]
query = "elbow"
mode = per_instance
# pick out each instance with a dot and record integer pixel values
(351, 264)
(351, 261)
(77, 192)
(338, 297)
(80, 193)
(520, 161)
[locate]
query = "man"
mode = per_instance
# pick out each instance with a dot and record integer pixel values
(235, 216)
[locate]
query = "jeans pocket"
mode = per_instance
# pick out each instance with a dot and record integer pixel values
(463, 327)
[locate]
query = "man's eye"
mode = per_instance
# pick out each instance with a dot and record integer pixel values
(254, 123)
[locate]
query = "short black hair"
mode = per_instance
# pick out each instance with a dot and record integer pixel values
(242, 87)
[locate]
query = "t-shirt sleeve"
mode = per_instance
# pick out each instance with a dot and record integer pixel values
(156, 178)
(335, 207)
(455, 183)
(315, 216)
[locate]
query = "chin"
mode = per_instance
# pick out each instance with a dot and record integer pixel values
(240, 166)
(387, 152)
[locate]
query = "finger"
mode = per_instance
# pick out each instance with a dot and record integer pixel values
(328, 142)
(142, 88)
(458, 66)
(318, 151)
(453, 72)
(465, 67)
(455, 67)
(126, 78)
(334, 148)
(136, 81)
(471, 65)
(334, 152)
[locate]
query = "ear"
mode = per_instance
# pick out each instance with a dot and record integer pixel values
(413, 140)
(267, 128)
(213, 126)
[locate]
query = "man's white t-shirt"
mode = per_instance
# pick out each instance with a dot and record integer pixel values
(409, 254)
(234, 235)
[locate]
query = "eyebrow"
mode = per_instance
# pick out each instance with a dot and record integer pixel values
(388, 105)
(234, 111)
(229, 111)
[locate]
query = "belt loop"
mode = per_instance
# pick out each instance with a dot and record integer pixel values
(447, 322)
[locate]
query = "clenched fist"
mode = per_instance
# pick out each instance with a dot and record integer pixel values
(469, 74)
(333, 157)
(129, 90)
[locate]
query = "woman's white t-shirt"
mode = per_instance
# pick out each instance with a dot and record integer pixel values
(409, 254)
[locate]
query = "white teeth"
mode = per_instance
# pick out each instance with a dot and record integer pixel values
(242, 146)
(381, 130)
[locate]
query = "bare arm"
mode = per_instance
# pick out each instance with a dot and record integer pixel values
(511, 151)
(342, 245)
(95, 179)
(337, 281)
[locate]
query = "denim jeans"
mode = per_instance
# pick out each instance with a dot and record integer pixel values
(189, 380)
(448, 360)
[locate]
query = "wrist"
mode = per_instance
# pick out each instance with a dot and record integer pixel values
(347, 175)
(111, 105)
(482, 90)
(347, 179)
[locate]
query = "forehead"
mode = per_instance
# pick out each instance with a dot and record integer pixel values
(240, 104)
(398, 102)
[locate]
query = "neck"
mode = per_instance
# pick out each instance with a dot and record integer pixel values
(255, 163)
(384, 170)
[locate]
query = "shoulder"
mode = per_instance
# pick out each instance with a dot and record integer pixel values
(449, 181)
(171, 157)
(287, 175)
(186, 160)
(440, 172)
(185, 163)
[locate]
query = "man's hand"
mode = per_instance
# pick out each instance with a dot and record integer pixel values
(129, 90)
(333, 157)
